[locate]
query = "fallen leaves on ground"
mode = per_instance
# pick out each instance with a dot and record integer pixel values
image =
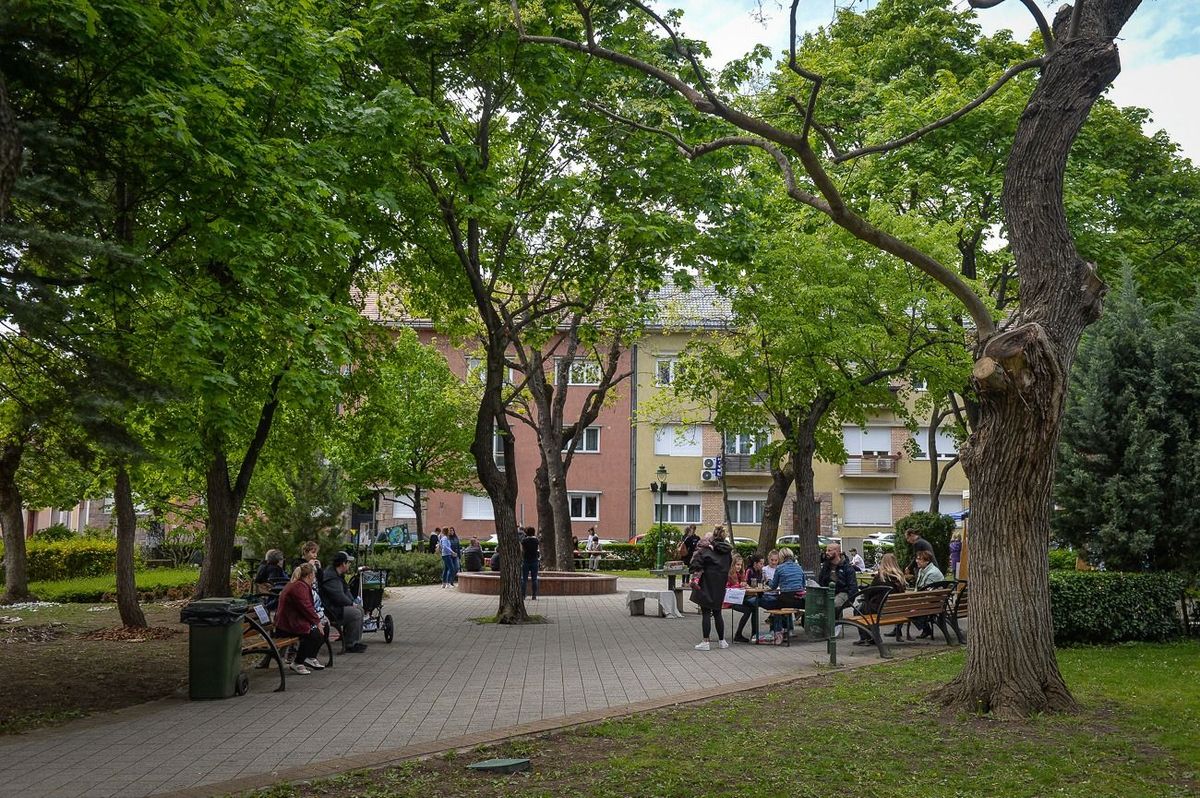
(131, 634)
(43, 633)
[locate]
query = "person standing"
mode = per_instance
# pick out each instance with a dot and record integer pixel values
(340, 604)
(688, 544)
(530, 557)
(446, 549)
(434, 539)
(593, 547)
(955, 552)
(711, 561)
(918, 544)
(455, 544)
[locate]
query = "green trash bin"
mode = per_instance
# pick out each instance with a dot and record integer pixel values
(215, 647)
(818, 612)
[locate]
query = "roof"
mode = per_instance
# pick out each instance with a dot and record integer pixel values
(697, 307)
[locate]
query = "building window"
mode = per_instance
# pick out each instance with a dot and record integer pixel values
(584, 506)
(947, 446)
(867, 509)
(682, 508)
(867, 441)
(746, 511)
(948, 503)
(476, 369)
(677, 441)
(920, 384)
(745, 442)
(582, 372)
(477, 508)
(498, 449)
(589, 442)
(665, 370)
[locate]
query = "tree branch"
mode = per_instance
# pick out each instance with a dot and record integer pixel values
(1043, 26)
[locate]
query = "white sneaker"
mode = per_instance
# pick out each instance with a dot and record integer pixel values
(314, 663)
(724, 644)
(703, 646)
(300, 669)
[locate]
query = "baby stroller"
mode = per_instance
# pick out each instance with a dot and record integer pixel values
(368, 585)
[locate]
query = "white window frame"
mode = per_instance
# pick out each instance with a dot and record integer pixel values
(738, 506)
(947, 445)
(583, 371)
(853, 439)
(581, 446)
(876, 517)
(948, 503)
(678, 440)
(472, 509)
(746, 442)
(682, 508)
(583, 497)
(671, 363)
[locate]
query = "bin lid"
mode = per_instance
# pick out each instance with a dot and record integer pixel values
(217, 611)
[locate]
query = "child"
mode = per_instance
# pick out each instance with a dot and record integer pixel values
(768, 571)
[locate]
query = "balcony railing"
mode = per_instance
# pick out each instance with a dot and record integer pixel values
(741, 464)
(870, 466)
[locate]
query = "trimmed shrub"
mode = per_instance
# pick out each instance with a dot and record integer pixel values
(69, 559)
(933, 527)
(1101, 607)
(154, 584)
(670, 534)
(1062, 559)
(54, 532)
(626, 557)
(408, 568)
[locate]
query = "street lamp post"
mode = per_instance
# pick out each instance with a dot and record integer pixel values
(660, 487)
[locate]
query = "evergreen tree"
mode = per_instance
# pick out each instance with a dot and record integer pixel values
(1110, 483)
(1179, 365)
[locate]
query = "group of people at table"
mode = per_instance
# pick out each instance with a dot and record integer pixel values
(779, 582)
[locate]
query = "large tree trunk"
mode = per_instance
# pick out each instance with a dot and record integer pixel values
(545, 514)
(223, 509)
(782, 477)
(501, 487)
(560, 507)
(808, 519)
(16, 580)
(418, 511)
(127, 596)
(1021, 376)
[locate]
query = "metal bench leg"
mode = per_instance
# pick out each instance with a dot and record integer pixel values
(328, 648)
(884, 653)
(941, 621)
(957, 629)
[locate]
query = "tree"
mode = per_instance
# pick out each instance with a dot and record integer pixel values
(1021, 367)
(1111, 472)
(409, 427)
(296, 499)
(1178, 359)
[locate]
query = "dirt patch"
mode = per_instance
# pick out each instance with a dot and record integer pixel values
(73, 662)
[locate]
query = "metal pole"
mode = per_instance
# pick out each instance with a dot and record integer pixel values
(662, 494)
(830, 594)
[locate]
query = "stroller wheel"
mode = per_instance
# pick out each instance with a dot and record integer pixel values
(388, 629)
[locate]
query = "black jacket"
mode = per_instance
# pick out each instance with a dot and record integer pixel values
(874, 600)
(472, 558)
(921, 544)
(713, 566)
(529, 548)
(335, 593)
(843, 577)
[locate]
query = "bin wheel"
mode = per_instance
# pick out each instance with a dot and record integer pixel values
(388, 629)
(242, 685)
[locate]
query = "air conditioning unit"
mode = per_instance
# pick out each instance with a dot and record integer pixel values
(885, 465)
(708, 474)
(710, 464)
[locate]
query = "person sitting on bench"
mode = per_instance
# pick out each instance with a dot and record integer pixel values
(836, 570)
(789, 580)
(340, 604)
(297, 616)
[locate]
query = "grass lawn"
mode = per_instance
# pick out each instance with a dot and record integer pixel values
(868, 732)
(642, 574)
(50, 672)
(91, 588)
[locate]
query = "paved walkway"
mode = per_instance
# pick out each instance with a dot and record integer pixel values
(442, 678)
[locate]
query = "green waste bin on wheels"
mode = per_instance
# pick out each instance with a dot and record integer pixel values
(215, 647)
(818, 612)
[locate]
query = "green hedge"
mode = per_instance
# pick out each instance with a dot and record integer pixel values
(408, 568)
(153, 584)
(1062, 559)
(1109, 607)
(69, 559)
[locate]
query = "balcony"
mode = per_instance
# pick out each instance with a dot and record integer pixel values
(740, 464)
(879, 466)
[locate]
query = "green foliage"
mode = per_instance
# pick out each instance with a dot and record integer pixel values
(156, 583)
(408, 568)
(1102, 607)
(55, 532)
(934, 527)
(1062, 559)
(627, 556)
(67, 559)
(303, 501)
(670, 535)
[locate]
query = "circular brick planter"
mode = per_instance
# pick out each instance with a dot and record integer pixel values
(550, 583)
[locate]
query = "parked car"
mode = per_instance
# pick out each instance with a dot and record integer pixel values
(746, 540)
(880, 539)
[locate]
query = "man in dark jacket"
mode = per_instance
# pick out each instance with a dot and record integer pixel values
(917, 544)
(530, 557)
(340, 604)
(837, 570)
(472, 557)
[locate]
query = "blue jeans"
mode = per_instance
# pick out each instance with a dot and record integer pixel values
(447, 569)
(770, 601)
(529, 569)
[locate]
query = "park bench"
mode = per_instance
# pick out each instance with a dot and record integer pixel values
(259, 636)
(787, 613)
(896, 608)
(956, 607)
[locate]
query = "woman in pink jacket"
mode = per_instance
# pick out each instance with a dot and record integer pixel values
(297, 616)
